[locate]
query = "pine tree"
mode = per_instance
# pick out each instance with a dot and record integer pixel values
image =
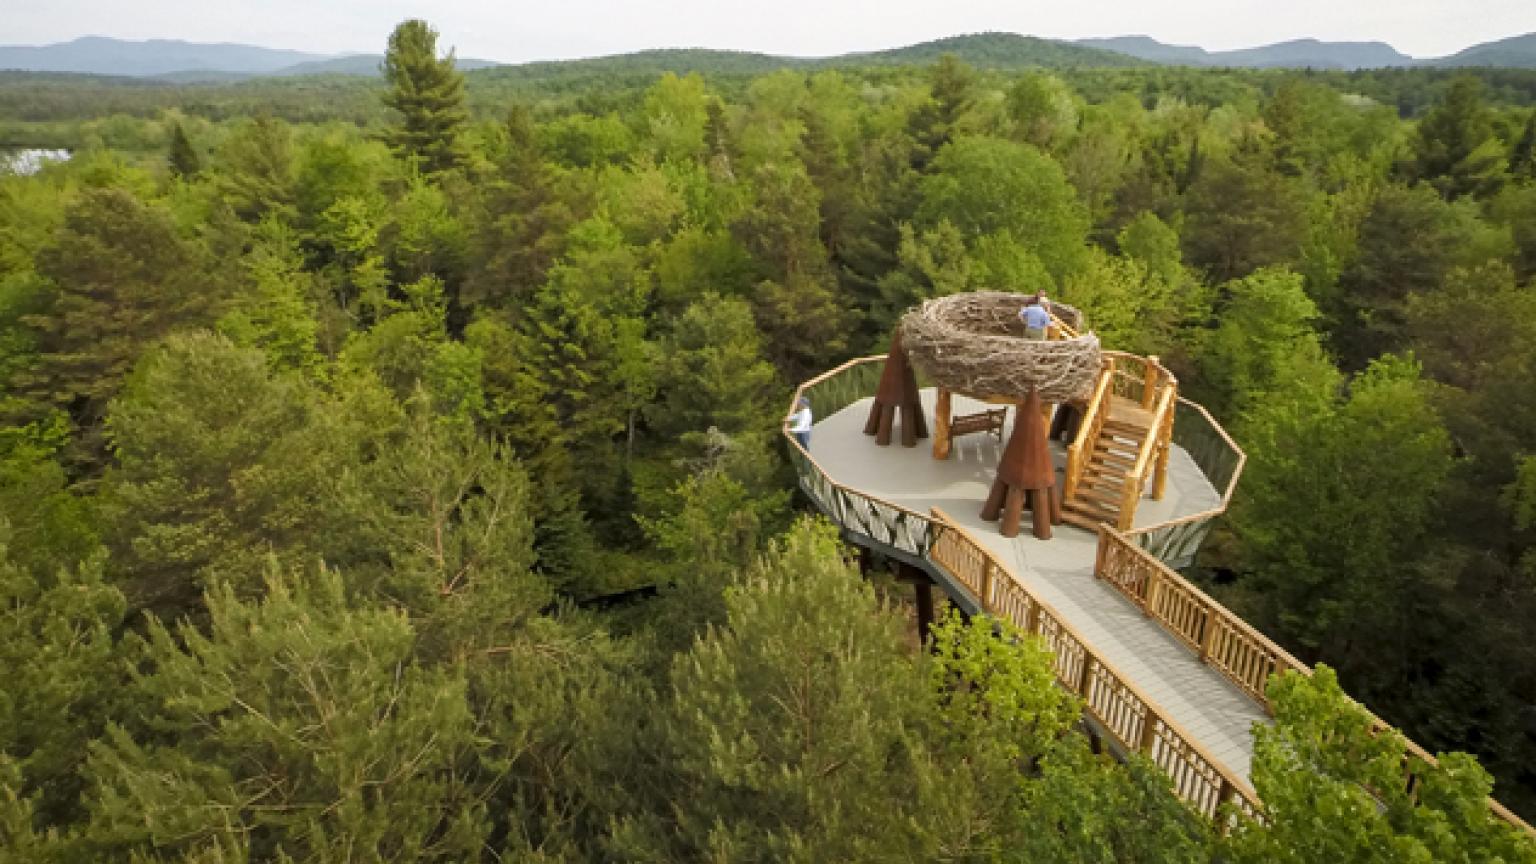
(429, 94)
(1522, 158)
(184, 161)
(124, 279)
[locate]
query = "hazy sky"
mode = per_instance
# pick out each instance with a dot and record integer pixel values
(517, 30)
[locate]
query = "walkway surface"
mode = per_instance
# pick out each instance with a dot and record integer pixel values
(1058, 571)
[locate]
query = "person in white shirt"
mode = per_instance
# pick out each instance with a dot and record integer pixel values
(800, 423)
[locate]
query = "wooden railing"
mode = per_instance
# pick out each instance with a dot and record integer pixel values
(1223, 640)
(888, 524)
(1120, 708)
(1088, 432)
(1175, 541)
(1139, 379)
(1151, 456)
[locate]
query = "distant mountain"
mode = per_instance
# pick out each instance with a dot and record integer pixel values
(365, 64)
(103, 56)
(1147, 48)
(1312, 54)
(981, 50)
(993, 51)
(191, 62)
(1297, 53)
(1516, 51)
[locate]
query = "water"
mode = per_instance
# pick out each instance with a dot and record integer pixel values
(29, 161)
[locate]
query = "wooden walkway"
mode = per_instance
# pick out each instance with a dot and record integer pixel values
(1060, 570)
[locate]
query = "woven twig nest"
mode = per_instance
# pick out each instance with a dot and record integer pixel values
(974, 344)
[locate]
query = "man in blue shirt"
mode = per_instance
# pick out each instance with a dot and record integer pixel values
(1035, 318)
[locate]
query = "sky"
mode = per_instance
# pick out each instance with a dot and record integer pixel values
(521, 30)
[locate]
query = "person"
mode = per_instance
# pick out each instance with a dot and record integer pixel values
(1036, 317)
(800, 423)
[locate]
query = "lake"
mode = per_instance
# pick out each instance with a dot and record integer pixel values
(29, 161)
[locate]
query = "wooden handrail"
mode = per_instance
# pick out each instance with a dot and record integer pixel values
(1222, 639)
(1226, 495)
(1154, 430)
(1135, 721)
(1088, 430)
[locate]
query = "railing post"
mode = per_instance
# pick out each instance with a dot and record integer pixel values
(1087, 676)
(1165, 444)
(1207, 638)
(1149, 378)
(1128, 500)
(1154, 581)
(1148, 732)
(1073, 469)
(1100, 552)
(986, 586)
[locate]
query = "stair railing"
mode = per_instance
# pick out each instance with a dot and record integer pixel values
(1157, 435)
(1081, 448)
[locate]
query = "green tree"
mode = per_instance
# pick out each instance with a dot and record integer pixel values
(1455, 149)
(1386, 271)
(301, 719)
(784, 730)
(428, 93)
(714, 374)
(987, 186)
(183, 159)
(253, 169)
(1263, 348)
(1333, 790)
(220, 466)
(1241, 216)
(1337, 495)
(124, 278)
(58, 643)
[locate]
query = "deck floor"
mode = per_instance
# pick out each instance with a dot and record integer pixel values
(1058, 571)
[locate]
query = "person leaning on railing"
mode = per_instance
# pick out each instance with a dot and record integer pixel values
(1036, 317)
(800, 423)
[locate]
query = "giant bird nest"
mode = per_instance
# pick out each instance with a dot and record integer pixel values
(974, 344)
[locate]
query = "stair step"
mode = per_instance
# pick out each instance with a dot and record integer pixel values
(1106, 497)
(1084, 521)
(1107, 487)
(1102, 474)
(1126, 425)
(1111, 459)
(1088, 517)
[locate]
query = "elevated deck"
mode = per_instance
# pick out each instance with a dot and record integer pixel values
(1059, 571)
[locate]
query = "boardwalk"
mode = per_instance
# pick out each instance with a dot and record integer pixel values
(1059, 571)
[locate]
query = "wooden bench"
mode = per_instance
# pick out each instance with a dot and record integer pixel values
(990, 420)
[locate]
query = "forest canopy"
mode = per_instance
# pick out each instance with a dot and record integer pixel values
(390, 469)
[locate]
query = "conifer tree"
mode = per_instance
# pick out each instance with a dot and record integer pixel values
(429, 94)
(124, 278)
(184, 161)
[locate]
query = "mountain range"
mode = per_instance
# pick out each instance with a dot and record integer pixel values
(1515, 51)
(191, 61)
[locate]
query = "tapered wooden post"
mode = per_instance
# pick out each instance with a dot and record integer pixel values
(942, 412)
(897, 392)
(1025, 468)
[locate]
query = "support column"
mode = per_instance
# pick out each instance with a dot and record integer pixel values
(943, 412)
(1025, 476)
(897, 391)
(923, 589)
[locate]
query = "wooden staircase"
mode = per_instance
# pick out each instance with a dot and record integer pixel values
(1101, 491)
